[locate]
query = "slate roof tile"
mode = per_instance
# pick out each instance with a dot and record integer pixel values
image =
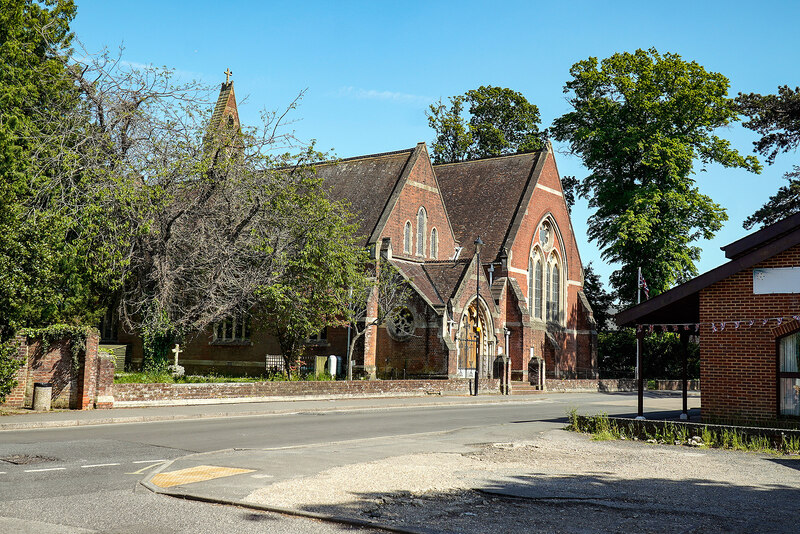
(365, 183)
(482, 197)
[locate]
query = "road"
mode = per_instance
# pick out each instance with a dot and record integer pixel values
(87, 477)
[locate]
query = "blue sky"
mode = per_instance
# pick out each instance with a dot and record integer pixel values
(372, 68)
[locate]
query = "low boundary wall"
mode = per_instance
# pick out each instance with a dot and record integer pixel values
(132, 395)
(621, 384)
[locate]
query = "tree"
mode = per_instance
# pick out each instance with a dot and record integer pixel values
(309, 295)
(599, 299)
(569, 185)
(382, 293)
(640, 122)
(185, 226)
(777, 119)
(501, 121)
(42, 258)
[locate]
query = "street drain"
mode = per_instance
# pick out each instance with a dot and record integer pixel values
(26, 459)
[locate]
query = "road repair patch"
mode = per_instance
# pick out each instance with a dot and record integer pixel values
(201, 473)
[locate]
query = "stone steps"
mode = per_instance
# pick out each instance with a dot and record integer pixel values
(523, 388)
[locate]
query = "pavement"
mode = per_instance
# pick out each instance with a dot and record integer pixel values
(229, 476)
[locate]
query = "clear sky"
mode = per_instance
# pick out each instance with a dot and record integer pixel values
(372, 68)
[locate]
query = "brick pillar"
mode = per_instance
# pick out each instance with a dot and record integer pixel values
(104, 394)
(16, 398)
(87, 379)
(371, 336)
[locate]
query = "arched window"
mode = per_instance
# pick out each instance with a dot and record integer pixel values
(537, 284)
(530, 284)
(556, 295)
(407, 238)
(434, 244)
(422, 223)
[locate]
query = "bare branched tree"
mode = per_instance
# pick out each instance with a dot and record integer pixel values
(384, 294)
(187, 225)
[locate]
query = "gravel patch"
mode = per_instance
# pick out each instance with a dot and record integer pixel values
(558, 482)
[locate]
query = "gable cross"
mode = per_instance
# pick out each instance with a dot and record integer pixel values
(177, 350)
(228, 75)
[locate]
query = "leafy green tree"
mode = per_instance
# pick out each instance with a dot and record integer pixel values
(501, 121)
(777, 119)
(599, 299)
(640, 122)
(616, 354)
(309, 295)
(42, 255)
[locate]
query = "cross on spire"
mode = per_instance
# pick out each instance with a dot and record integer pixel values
(228, 75)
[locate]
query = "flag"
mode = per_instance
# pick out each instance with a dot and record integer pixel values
(643, 285)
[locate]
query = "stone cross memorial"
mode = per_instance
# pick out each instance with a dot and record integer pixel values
(176, 351)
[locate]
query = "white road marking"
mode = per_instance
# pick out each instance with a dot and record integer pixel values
(145, 468)
(48, 469)
(2, 472)
(147, 461)
(97, 465)
(261, 476)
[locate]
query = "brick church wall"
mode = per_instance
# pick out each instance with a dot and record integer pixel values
(574, 356)
(738, 367)
(421, 189)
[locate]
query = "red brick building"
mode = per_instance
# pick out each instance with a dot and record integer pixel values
(424, 219)
(747, 312)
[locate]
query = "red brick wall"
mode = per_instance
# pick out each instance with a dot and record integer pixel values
(422, 354)
(131, 394)
(408, 204)
(738, 366)
(16, 398)
(574, 356)
(53, 364)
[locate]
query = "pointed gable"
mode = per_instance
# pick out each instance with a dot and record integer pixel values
(226, 113)
(417, 203)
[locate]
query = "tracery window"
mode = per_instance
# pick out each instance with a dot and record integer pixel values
(407, 238)
(422, 223)
(434, 244)
(538, 271)
(555, 296)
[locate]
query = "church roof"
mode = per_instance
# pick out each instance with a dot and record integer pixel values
(436, 281)
(366, 183)
(467, 185)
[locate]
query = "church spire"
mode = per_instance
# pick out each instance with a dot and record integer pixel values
(225, 117)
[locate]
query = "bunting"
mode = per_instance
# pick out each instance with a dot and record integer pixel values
(717, 326)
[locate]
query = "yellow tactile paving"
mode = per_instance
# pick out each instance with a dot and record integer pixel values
(200, 473)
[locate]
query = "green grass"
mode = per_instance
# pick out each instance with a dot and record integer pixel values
(602, 429)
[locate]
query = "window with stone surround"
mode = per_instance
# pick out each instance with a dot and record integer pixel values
(232, 330)
(422, 228)
(434, 244)
(407, 238)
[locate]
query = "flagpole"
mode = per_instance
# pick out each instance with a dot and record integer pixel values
(638, 301)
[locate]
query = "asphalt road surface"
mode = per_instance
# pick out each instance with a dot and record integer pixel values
(87, 477)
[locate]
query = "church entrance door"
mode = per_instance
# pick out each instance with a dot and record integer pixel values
(471, 337)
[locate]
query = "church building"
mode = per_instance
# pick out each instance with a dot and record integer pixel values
(520, 298)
